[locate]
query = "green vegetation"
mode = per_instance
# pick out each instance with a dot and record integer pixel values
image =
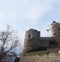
(42, 52)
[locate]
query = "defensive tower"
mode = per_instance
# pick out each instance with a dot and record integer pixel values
(55, 29)
(30, 34)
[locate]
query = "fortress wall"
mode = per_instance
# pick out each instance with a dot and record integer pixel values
(34, 42)
(52, 57)
(43, 43)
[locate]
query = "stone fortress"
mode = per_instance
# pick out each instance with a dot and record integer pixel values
(34, 42)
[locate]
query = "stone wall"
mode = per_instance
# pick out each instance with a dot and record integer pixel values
(43, 43)
(52, 57)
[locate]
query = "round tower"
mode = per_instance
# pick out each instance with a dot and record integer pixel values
(30, 34)
(55, 29)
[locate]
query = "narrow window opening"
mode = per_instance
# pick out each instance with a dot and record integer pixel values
(29, 36)
(54, 34)
(59, 28)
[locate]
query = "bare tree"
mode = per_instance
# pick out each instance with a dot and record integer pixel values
(9, 40)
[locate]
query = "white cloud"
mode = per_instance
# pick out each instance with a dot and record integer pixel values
(36, 9)
(28, 9)
(8, 10)
(12, 10)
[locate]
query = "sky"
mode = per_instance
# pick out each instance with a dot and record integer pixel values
(25, 14)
